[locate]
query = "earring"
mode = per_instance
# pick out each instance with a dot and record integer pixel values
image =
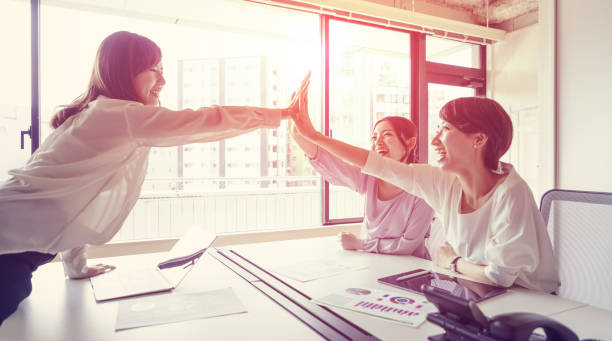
(499, 170)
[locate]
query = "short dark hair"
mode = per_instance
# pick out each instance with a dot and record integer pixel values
(481, 115)
(121, 56)
(404, 129)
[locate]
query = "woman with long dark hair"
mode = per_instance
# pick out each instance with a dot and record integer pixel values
(81, 184)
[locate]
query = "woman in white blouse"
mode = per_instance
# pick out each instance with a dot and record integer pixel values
(82, 182)
(494, 231)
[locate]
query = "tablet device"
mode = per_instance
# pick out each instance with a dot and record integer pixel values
(459, 287)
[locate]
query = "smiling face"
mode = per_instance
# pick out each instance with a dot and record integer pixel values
(486, 128)
(456, 149)
(149, 83)
(385, 142)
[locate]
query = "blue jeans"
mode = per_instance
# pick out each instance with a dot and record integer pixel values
(16, 278)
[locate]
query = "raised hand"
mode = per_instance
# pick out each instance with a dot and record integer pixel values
(294, 104)
(302, 121)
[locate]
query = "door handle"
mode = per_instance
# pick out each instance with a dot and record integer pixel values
(25, 132)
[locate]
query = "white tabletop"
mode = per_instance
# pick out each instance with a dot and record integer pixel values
(588, 322)
(270, 255)
(62, 309)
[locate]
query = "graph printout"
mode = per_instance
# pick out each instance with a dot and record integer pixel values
(408, 308)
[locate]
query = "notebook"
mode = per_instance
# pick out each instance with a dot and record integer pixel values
(466, 289)
(165, 276)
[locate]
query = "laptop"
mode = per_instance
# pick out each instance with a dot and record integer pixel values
(165, 276)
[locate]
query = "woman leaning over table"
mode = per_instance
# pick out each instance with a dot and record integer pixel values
(81, 184)
(494, 231)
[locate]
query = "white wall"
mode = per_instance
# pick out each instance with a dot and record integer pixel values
(584, 116)
(513, 68)
(515, 79)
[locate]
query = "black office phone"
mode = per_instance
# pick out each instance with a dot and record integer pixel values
(463, 320)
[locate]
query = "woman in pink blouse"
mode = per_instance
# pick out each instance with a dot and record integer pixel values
(394, 222)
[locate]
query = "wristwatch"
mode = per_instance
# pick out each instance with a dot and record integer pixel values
(453, 264)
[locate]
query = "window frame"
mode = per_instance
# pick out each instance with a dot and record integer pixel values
(34, 130)
(422, 71)
(446, 74)
(325, 34)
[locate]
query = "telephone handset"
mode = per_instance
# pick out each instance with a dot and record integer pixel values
(463, 320)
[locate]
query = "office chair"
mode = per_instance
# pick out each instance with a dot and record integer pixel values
(580, 227)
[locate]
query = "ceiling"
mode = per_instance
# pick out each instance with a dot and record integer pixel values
(506, 14)
(499, 11)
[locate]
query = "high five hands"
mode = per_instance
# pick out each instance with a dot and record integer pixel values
(298, 109)
(294, 104)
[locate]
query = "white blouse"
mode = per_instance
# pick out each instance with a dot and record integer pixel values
(83, 181)
(395, 226)
(507, 234)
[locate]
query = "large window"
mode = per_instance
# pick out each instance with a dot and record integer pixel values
(232, 53)
(15, 88)
(452, 52)
(438, 95)
(240, 53)
(454, 69)
(369, 79)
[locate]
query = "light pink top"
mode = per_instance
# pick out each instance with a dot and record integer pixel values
(396, 226)
(83, 181)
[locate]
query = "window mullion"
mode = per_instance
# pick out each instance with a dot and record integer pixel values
(34, 131)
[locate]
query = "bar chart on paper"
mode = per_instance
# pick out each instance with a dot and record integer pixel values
(408, 308)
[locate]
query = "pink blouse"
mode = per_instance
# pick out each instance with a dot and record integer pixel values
(396, 226)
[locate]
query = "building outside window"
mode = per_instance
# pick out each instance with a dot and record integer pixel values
(235, 53)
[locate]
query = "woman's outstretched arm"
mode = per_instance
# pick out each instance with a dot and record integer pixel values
(349, 153)
(309, 148)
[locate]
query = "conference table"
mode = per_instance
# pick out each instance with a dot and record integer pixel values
(63, 309)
